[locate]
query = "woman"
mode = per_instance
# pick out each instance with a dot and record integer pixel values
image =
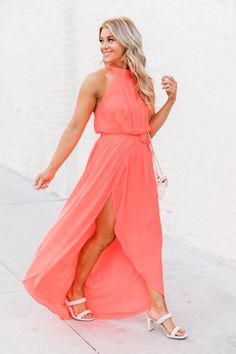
(107, 240)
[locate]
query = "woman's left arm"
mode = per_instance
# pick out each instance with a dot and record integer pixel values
(169, 84)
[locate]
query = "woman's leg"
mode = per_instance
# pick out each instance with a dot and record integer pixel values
(158, 308)
(90, 252)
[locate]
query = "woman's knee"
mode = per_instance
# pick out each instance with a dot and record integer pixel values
(104, 238)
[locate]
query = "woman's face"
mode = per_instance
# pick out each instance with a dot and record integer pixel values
(111, 50)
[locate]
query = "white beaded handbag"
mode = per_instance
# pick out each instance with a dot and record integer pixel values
(161, 179)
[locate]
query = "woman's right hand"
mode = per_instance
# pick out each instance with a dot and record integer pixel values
(43, 179)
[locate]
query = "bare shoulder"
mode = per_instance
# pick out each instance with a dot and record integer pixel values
(87, 98)
(93, 81)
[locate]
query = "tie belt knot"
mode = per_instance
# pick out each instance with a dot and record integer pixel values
(144, 138)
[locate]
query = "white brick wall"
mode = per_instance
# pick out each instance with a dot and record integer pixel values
(37, 69)
(48, 47)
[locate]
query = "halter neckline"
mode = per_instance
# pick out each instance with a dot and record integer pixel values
(120, 71)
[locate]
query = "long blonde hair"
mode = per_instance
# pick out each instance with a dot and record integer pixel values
(126, 33)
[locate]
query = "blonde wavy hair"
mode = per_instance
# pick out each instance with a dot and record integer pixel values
(127, 34)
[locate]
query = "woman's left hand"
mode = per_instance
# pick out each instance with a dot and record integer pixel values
(170, 86)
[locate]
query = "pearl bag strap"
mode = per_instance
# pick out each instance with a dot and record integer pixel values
(157, 166)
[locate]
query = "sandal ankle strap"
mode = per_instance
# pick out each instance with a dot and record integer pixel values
(75, 302)
(164, 317)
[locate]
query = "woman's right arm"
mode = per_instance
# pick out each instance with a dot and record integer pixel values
(85, 105)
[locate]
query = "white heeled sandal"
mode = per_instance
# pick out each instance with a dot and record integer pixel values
(151, 325)
(79, 317)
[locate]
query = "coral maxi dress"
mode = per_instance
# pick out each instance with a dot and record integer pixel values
(120, 163)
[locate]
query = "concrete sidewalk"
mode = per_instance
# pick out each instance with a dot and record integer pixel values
(200, 292)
